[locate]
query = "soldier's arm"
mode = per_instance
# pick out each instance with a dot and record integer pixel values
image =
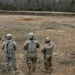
(15, 46)
(52, 45)
(37, 45)
(43, 50)
(25, 47)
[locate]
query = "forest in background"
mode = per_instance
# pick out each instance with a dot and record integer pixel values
(38, 5)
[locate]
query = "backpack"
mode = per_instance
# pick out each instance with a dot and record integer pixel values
(10, 47)
(32, 48)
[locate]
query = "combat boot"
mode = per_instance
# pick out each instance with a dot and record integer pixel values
(51, 69)
(15, 68)
(33, 69)
(29, 71)
(44, 70)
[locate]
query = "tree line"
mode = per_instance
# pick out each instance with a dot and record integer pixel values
(38, 5)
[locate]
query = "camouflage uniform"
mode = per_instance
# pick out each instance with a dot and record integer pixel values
(9, 48)
(47, 53)
(31, 47)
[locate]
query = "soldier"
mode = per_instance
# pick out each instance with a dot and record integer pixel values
(47, 53)
(9, 48)
(31, 47)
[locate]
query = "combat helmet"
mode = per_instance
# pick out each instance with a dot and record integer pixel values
(9, 36)
(47, 39)
(31, 36)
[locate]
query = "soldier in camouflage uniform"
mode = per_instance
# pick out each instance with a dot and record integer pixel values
(9, 48)
(47, 53)
(31, 47)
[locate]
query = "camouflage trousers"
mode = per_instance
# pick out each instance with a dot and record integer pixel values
(9, 60)
(47, 63)
(31, 63)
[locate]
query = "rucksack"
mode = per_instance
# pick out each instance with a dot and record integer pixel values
(32, 47)
(10, 47)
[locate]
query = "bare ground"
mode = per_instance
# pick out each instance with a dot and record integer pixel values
(61, 31)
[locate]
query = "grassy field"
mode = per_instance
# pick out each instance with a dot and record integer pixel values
(60, 29)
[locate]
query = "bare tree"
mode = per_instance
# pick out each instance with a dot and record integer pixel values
(47, 5)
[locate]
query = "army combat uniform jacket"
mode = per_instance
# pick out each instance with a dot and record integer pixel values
(47, 50)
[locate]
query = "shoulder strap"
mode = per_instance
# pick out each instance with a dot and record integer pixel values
(7, 44)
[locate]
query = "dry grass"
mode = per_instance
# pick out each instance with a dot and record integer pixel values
(41, 13)
(61, 31)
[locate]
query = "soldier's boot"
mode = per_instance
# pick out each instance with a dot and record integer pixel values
(29, 71)
(33, 69)
(45, 67)
(44, 70)
(15, 68)
(51, 69)
(48, 71)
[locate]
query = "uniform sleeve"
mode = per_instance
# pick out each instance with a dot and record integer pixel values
(25, 47)
(43, 50)
(52, 45)
(37, 45)
(15, 46)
